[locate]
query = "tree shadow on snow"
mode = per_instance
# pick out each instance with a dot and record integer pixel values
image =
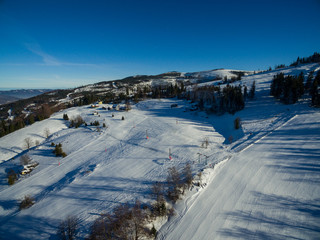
(30, 225)
(267, 224)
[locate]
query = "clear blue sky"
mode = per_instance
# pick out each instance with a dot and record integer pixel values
(64, 43)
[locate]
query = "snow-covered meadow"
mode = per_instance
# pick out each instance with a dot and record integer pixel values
(265, 184)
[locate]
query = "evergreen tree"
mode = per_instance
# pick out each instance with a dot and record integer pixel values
(245, 93)
(308, 84)
(288, 89)
(315, 96)
(65, 117)
(252, 90)
(300, 84)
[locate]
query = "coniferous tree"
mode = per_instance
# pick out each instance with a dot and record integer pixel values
(245, 93)
(65, 117)
(287, 88)
(252, 90)
(315, 96)
(300, 84)
(308, 84)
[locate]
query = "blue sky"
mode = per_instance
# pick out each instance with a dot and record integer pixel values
(62, 44)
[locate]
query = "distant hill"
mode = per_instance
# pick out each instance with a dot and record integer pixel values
(14, 95)
(7, 99)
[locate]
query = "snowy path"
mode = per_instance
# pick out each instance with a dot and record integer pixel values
(268, 191)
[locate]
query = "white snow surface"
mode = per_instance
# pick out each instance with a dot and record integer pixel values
(264, 185)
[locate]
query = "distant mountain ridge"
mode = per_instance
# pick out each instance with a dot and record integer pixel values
(16, 94)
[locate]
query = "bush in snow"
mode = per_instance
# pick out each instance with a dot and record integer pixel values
(58, 151)
(12, 177)
(95, 123)
(27, 202)
(76, 122)
(65, 117)
(237, 123)
(68, 228)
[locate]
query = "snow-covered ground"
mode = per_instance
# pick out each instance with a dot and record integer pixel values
(104, 168)
(270, 187)
(265, 184)
(270, 190)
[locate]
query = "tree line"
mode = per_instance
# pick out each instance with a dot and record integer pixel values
(216, 100)
(288, 89)
(315, 58)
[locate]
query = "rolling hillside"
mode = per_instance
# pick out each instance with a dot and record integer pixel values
(264, 184)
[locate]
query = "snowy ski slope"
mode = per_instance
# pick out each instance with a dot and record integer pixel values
(265, 185)
(268, 191)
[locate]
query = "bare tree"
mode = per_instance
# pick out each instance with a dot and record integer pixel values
(28, 143)
(68, 228)
(205, 142)
(101, 228)
(174, 184)
(27, 202)
(159, 207)
(157, 190)
(138, 221)
(200, 178)
(121, 223)
(46, 110)
(187, 174)
(46, 132)
(25, 159)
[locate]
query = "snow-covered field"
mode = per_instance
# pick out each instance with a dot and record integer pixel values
(265, 185)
